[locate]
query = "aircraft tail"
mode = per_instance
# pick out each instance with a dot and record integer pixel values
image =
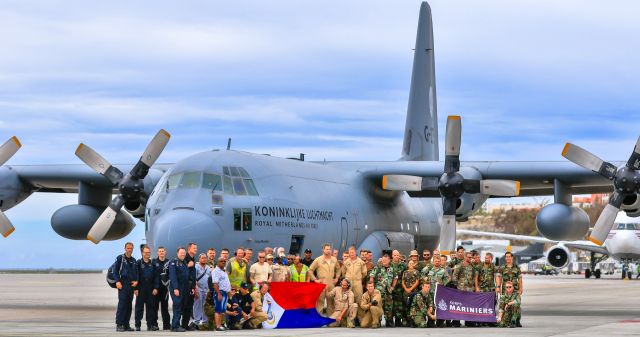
(421, 130)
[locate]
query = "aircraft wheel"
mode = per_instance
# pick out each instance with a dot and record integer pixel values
(587, 273)
(597, 273)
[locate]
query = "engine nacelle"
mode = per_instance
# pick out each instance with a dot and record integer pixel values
(558, 256)
(631, 206)
(469, 203)
(74, 222)
(561, 222)
(12, 191)
(136, 208)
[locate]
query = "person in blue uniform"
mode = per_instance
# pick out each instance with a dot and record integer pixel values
(125, 274)
(145, 291)
(187, 303)
(178, 287)
(160, 293)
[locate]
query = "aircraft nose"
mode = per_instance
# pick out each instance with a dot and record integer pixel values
(181, 226)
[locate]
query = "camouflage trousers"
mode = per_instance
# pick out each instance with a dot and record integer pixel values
(400, 307)
(387, 307)
(510, 316)
(421, 321)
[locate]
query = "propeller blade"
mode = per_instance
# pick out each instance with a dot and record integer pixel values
(397, 182)
(588, 160)
(453, 135)
(448, 234)
(634, 160)
(604, 224)
(98, 163)
(155, 147)
(452, 144)
(6, 227)
(471, 186)
(106, 219)
(8, 149)
(500, 188)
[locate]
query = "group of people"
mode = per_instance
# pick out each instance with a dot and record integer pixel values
(228, 292)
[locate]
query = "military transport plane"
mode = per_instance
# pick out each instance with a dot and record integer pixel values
(622, 244)
(228, 198)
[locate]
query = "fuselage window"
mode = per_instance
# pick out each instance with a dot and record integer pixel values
(212, 182)
(173, 181)
(246, 219)
(190, 180)
(242, 219)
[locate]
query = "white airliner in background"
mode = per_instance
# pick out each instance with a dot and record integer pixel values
(622, 244)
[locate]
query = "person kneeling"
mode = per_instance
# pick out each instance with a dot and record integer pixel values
(371, 306)
(343, 305)
(421, 311)
(509, 307)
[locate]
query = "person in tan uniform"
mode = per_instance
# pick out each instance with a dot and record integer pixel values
(371, 307)
(354, 270)
(326, 272)
(344, 305)
(258, 316)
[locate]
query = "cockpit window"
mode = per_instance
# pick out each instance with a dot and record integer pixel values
(190, 180)
(173, 181)
(212, 182)
(251, 188)
(628, 226)
(236, 180)
(234, 171)
(621, 226)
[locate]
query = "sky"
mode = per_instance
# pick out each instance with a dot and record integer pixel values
(329, 79)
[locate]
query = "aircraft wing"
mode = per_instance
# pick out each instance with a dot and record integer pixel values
(582, 244)
(536, 178)
(66, 178)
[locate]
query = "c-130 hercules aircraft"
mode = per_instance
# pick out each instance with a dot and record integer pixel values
(227, 198)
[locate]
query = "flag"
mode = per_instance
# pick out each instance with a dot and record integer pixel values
(465, 305)
(293, 305)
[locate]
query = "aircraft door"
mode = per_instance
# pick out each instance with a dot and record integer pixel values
(344, 230)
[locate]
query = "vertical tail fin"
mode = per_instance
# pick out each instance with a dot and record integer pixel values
(421, 130)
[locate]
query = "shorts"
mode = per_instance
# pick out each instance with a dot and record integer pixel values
(220, 306)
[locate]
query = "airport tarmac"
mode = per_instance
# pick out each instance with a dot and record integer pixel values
(83, 305)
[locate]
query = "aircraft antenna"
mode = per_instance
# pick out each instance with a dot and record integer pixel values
(229, 144)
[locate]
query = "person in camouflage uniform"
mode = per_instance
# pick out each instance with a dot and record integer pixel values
(510, 272)
(385, 280)
(422, 311)
(509, 307)
(413, 256)
(427, 262)
(399, 306)
(410, 283)
(466, 279)
(487, 274)
(438, 274)
(475, 260)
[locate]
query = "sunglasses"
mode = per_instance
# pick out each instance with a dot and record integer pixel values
(426, 254)
(509, 287)
(261, 257)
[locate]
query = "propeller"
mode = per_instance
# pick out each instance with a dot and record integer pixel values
(451, 185)
(131, 186)
(7, 150)
(626, 182)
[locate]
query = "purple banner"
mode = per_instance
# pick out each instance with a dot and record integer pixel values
(465, 305)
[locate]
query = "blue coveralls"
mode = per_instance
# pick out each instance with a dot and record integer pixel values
(145, 300)
(128, 274)
(162, 299)
(179, 276)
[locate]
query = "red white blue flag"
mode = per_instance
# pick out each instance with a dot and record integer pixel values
(293, 305)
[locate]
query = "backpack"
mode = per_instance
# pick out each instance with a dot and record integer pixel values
(110, 278)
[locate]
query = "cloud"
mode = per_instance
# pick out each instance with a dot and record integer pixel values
(327, 79)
